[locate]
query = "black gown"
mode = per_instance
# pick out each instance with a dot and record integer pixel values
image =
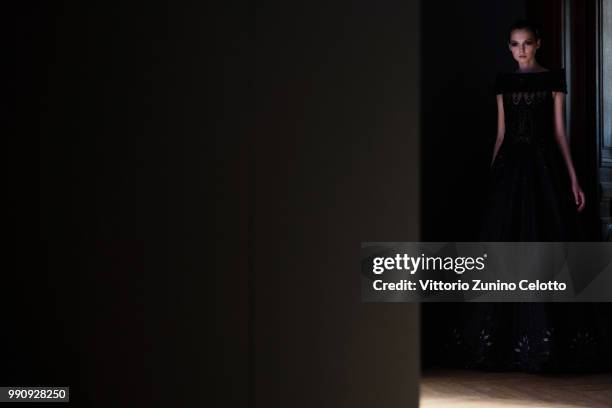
(530, 199)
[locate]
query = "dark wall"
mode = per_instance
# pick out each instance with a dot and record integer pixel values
(287, 133)
(583, 124)
(335, 164)
(121, 119)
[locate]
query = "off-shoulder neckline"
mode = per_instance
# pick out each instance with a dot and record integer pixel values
(550, 71)
(531, 73)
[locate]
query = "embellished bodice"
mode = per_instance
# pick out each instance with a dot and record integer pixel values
(529, 106)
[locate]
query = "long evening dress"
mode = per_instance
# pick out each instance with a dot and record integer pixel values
(530, 199)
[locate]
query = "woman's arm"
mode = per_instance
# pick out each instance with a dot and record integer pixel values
(559, 98)
(501, 127)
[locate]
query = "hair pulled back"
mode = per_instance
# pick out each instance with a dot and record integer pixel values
(525, 25)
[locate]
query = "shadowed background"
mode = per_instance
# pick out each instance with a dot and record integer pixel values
(135, 131)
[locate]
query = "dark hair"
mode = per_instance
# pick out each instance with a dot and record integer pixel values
(525, 25)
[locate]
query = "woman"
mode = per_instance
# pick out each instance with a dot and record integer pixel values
(535, 192)
(534, 196)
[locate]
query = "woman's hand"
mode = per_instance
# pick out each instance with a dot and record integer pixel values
(578, 196)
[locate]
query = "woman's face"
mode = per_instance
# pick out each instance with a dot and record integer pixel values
(523, 45)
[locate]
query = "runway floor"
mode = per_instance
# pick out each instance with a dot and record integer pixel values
(475, 389)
